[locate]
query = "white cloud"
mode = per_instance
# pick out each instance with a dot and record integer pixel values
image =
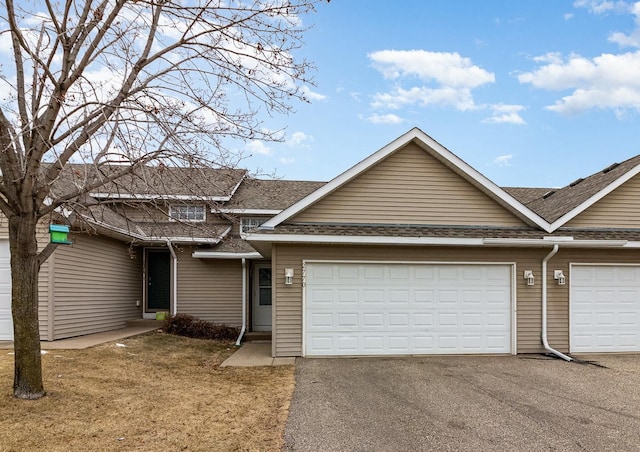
(505, 114)
(568, 16)
(398, 98)
(603, 6)
(442, 78)
(287, 160)
(503, 160)
(447, 69)
(632, 39)
(312, 95)
(298, 139)
(258, 147)
(385, 119)
(608, 82)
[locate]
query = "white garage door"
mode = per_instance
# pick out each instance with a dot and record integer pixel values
(398, 309)
(6, 324)
(605, 308)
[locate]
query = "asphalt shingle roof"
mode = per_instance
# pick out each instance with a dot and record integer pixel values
(270, 194)
(565, 199)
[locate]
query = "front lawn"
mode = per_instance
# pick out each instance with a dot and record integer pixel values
(157, 392)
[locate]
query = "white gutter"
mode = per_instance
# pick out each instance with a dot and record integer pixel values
(564, 241)
(222, 255)
(150, 197)
(174, 258)
(244, 301)
(247, 211)
(545, 341)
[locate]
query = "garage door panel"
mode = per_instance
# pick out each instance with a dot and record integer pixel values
(605, 308)
(6, 322)
(419, 308)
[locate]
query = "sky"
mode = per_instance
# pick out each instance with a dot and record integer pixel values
(531, 93)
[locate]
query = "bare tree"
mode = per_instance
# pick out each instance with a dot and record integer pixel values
(117, 84)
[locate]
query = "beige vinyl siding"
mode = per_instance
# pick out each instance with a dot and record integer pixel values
(409, 187)
(210, 289)
(97, 284)
(619, 209)
(288, 306)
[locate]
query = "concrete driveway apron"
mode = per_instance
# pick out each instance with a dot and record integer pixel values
(465, 403)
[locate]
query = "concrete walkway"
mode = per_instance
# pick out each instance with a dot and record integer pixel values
(89, 340)
(253, 354)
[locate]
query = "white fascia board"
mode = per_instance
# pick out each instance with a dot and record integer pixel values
(150, 197)
(426, 141)
(211, 240)
(365, 240)
(222, 255)
(247, 211)
(595, 198)
(115, 229)
(235, 188)
(549, 241)
(146, 238)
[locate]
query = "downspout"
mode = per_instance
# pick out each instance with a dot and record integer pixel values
(244, 301)
(545, 341)
(175, 277)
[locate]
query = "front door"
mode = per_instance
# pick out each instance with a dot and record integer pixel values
(261, 303)
(158, 281)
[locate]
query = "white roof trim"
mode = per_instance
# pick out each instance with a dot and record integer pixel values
(549, 241)
(150, 197)
(426, 140)
(247, 211)
(436, 241)
(147, 238)
(595, 198)
(223, 255)
(357, 239)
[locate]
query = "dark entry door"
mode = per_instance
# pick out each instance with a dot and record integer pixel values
(158, 280)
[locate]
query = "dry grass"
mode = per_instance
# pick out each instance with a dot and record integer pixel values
(160, 392)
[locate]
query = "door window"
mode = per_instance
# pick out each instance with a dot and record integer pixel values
(264, 286)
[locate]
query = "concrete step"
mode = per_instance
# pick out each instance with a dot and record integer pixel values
(146, 322)
(253, 336)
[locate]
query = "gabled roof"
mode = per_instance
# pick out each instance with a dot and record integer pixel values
(561, 205)
(438, 151)
(527, 194)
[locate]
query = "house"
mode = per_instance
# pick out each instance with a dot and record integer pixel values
(411, 251)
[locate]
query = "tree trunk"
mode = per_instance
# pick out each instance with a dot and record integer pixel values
(27, 382)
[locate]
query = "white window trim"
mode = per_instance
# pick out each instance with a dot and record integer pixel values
(194, 206)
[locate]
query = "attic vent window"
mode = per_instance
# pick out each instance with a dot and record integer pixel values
(187, 213)
(250, 223)
(576, 182)
(609, 168)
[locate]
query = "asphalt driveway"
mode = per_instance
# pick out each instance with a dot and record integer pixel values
(465, 403)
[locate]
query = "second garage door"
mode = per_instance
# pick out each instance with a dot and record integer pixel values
(399, 308)
(605, 308)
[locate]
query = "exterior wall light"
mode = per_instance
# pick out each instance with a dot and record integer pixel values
(559, 276)
(288, 276)
(528, 275)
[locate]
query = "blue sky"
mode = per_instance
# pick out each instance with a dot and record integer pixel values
(530, 93)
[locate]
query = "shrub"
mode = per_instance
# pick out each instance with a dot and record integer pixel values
(189, 326)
